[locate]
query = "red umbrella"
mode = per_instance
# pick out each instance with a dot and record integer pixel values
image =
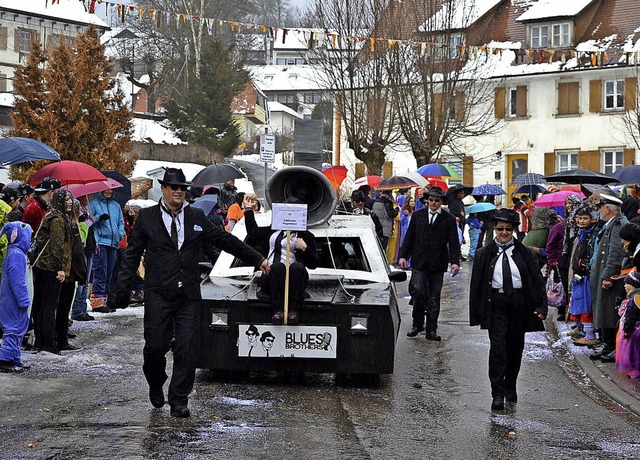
(336, 175)
(92, 187)
(68, 172)
(439, 183)
(371, 181)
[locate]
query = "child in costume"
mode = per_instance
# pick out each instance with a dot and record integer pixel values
(628, 340)
(580, 304)
(14, 297)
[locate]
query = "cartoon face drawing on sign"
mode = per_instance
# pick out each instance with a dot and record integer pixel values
(252, 335)
(267, 340)
(326, 341)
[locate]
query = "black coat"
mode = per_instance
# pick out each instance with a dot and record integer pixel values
(164, 264)
(480, 307)
(431, 248)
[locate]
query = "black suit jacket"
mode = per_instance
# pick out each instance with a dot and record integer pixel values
(165, 265)
(533, 284)
(431, 247)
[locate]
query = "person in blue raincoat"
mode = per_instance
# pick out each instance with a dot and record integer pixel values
(108, 230)
(14, 296)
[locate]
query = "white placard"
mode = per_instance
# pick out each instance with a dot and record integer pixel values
(267, 148)
(268, 341)
(289, 216)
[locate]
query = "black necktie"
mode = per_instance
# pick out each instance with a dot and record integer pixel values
(507, 280)
(433, 217)
(174, 230)
(277, 247)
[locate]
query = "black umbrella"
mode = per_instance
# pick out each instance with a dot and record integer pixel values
(453, 190)
(532, 189)
(396, 182)
(14, 150)
(120, 194)
(217, 173)
(580, 176)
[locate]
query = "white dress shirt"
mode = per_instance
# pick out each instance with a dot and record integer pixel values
(496, 282)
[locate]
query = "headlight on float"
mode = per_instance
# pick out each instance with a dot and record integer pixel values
(359, 323)
(219, 319)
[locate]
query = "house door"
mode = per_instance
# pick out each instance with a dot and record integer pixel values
(516, 164)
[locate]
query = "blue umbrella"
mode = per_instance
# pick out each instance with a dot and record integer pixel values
(206, 203)
(532, 189)
(488, 189)
(480, 207)
(14, 150)
(628, 174)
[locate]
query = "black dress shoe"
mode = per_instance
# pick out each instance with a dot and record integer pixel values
(156, 396)
(415, 330)
(71, 335)
(68, 347)
(497, 403)
(511, 397)
(608, 357)
(599, 354)
(180, 412)
(433, 336)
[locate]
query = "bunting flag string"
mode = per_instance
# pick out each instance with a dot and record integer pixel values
(534, 55)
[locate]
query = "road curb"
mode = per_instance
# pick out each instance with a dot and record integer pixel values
(604, 383)
(599, 378)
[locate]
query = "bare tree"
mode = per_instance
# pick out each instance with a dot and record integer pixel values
(358, 78)
(442, 96)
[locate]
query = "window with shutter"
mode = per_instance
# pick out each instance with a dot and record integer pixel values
(4, 34)
(595, 96)
(499, 103)
(612, 160)
(566, 160)
(521, 101)
(630, 93)
(568, 98)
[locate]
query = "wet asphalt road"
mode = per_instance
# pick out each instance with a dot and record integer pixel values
(93, 404)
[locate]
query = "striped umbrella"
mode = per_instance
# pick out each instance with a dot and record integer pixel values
(529, 179)
(395, 182)
(438, 170)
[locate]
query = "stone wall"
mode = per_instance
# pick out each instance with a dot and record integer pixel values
(179, 153)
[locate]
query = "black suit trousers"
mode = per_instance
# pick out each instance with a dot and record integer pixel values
(506, 336)
(425, 289)
(165, 318)
(274, 282)
(46, 293)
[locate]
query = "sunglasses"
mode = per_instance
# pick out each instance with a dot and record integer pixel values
(269, 340)
(182, 188)
(435, 200)
(503, 229)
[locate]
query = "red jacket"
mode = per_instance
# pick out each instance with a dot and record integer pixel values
(34, 212)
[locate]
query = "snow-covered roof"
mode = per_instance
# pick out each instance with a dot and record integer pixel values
(286, 78)
(71, 11)
(458, 15)
(546, 9)
(278, 107)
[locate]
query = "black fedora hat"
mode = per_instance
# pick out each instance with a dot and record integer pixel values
(435, 192)
(506, 215)
(174, 176)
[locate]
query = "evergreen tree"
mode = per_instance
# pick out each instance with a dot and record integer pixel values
(202, 113)
(67, 100)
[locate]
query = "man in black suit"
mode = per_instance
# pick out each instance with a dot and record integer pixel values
(172, 235)
(431, 242)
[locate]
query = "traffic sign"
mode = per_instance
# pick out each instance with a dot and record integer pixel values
(268, 148)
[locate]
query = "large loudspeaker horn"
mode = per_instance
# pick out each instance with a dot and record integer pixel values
(307, 184)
